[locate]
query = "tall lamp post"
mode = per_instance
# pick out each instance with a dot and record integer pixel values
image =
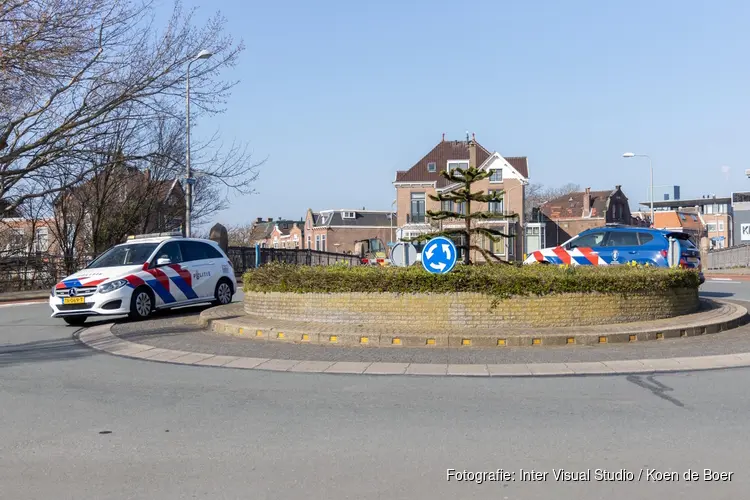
(651, 167)
(203, 54)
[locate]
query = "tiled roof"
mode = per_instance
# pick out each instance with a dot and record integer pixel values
(362, 218)
(451, 150)
(571, 205)
(673, 219)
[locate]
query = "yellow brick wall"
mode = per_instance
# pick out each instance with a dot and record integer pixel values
(471, 310)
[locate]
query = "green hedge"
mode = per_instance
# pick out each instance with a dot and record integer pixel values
(496, 280)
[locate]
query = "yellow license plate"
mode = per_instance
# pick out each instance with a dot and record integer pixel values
(73, 300)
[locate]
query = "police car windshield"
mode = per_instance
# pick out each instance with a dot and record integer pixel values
(125, 255)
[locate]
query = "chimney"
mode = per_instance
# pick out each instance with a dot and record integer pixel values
(587, 203)
(443, 137)
(259, 220)
(269, 219)
(472, 154)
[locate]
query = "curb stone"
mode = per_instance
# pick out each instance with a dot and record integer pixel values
(716, 316)
(101, 338)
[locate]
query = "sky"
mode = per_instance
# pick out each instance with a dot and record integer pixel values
(336, 95)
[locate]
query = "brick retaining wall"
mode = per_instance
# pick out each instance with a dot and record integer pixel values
(471, 310)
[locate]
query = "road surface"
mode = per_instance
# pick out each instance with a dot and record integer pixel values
(77, 424)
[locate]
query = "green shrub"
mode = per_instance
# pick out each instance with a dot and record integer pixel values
(496, 281)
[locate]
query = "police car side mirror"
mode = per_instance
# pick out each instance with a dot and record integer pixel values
(163, 261)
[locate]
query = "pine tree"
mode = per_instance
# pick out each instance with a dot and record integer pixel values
(464, 195)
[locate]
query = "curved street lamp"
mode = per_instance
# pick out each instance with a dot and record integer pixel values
(203, 54)
(651, 167)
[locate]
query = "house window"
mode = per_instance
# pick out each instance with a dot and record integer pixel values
(323, 242)
(461, 208)
(721, 226)
(41, 240)
(432, 167)
(682, 216)
(457, 164)
(417, 207)
(709, 209)
(317, 242)
(350, 215)
(496, 206)
(446, 206)
(695, 218)
(309, 242)
(275, 243)
(711, 228)
(497, 175)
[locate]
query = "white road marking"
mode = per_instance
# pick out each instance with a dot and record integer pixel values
(721, 279)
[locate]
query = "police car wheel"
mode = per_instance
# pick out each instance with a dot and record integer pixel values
(223, 293)
(75, 320)
(141, 304)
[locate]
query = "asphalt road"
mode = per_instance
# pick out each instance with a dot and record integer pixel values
(76, 424)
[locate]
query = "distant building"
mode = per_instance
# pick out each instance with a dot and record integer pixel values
(279, 233)
(568, 215)
(682, 221)
(510, 176)
(339, 230)
(716, 215)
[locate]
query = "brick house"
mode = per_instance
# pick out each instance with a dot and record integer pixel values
(21, 236)
(414, 187)
(570, 214)
(339, 230)
(681, 221)
(287, 234)
(280, 233)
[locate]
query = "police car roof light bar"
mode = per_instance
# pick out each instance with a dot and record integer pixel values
(153, 235)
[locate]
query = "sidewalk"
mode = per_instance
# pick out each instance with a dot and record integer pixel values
(33, 295)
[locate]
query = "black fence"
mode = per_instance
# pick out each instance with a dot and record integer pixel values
(244, 258)
(36, 271)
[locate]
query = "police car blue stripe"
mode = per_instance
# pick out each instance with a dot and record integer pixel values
(553, 259)
(161, 291)
(72, 283)
(184, 287)
(581, 261)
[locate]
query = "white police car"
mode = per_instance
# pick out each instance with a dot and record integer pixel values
(146, 273)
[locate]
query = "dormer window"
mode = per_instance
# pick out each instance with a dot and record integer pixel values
(432, 167)
(349, 215)
(497, 175)
(453, 164)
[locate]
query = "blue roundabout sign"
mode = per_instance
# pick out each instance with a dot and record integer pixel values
(439, 255)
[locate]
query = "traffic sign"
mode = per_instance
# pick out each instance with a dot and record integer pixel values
(403, 254)
(439, 255)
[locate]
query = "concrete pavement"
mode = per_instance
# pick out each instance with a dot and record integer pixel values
(82, 425)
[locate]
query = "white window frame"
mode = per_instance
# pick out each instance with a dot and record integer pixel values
(493, 173)
(721, 226)
(317, 243)
(459, 162)
(348, 215)
(711, 227)
(323, 242)
(431, 166)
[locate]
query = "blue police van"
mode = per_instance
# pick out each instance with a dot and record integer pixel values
(618, 244)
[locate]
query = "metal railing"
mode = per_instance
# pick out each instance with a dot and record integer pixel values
(726, 258)
(36, 271)
(244, 258)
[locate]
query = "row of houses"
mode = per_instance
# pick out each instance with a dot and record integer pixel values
(555, 221)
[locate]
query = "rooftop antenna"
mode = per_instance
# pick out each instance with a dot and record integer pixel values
(467, 136)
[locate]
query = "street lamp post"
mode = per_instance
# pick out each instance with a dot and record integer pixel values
(203, 54)
(651, 167)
